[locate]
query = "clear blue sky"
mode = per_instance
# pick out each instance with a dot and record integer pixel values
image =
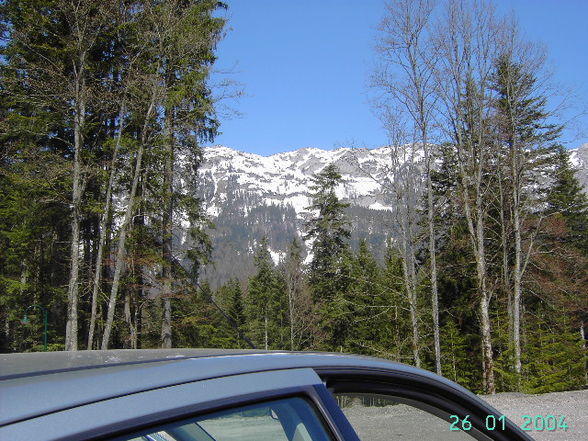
(304, 67)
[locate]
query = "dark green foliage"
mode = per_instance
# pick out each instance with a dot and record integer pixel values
(370, 310)
(457, 353)
(329, 228)
(335, 308)
(396, 339)
(566, 200)
(51, 50)
(329, 274)
(230, 296)
(198, 323)
(554, 357)
(234, 303)
(266, 303)
(521, 112)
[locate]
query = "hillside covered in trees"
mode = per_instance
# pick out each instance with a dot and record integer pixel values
(479, 272)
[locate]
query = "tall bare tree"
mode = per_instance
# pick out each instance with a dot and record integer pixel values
(524, 133)
(406, 76)
(103, 228)
(402, 184)
(185, 36)
(467, 41)
(146, 137)
(300, 314)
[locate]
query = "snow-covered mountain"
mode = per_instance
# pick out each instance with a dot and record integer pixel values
(249, 196)
(284, 179)
(579, 158)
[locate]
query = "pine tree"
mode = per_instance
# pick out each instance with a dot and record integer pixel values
(236, 310)
(300, 307)
(328, 229)
(367, 305)
(266, 303)
(555, 359)
(329, 276)
(198, 323)
(457, 355)
(398, 339)
(523, 133)
(566, 200)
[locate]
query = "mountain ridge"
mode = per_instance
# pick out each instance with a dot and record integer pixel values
(249, 196)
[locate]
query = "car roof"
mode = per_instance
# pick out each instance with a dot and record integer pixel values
(35, 384)
(39, 363)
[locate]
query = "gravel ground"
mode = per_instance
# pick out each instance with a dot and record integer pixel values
(404, 423)
(573, 405)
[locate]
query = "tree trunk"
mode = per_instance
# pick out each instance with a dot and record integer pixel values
(265, 332)
(517, 279)
(434, 291)
(291, 291)
(583, 336)
(166, 328)
(128, 317)
(433, 259)
(409, 283)
(120, 253)
(71, 329)
(103, 223)
(138, 324)
(488, 357)
(166, 272)
(504, 246)
(517, 270)
(7, 331)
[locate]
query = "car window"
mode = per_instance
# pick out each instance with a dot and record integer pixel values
(291, 419)
(382, 418)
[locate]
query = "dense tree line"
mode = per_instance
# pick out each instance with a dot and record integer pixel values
(349, 301)
(485, 264)
(457, 74)
(101, 101)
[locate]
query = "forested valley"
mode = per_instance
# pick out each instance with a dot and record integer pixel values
(105, 106)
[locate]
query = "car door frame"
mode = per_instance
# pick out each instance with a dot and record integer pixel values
(431, 393)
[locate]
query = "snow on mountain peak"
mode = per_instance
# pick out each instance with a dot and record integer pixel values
(285, 178)
(250, 197)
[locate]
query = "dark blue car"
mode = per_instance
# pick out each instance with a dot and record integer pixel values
(224, 395)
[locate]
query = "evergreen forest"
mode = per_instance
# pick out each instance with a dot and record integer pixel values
(484, 275)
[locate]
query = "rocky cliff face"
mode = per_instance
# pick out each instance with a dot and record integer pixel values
(249, 196)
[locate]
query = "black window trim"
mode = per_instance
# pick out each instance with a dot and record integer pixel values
(434, 396)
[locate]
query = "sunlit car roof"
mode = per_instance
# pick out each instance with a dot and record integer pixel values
(75, 394)
(34, 363)
(33, 384)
